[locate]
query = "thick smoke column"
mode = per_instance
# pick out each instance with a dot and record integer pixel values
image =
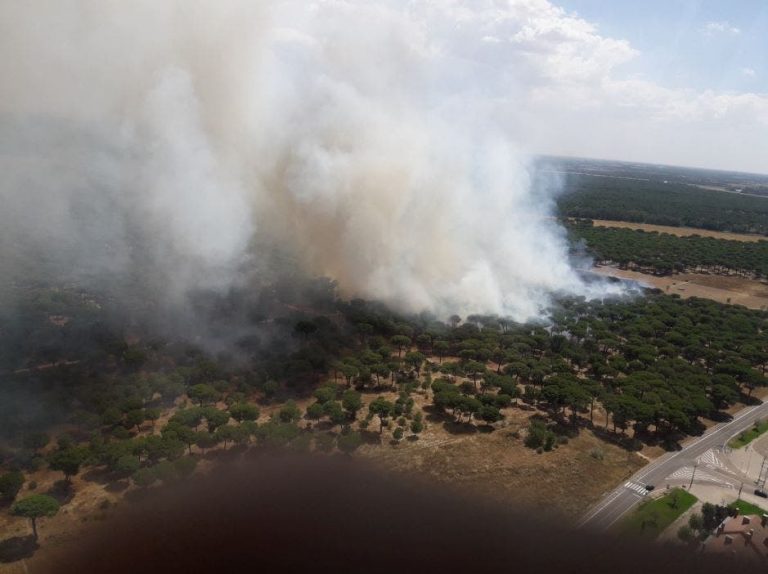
(363, 137)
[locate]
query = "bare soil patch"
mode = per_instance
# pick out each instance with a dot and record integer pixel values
(680, 231)
(728, 289)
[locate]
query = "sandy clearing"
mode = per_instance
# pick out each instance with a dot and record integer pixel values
(723, 289)
(681, 231)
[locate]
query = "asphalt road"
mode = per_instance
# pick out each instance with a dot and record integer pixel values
(619, 501)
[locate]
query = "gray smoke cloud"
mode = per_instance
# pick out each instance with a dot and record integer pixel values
(362, 137)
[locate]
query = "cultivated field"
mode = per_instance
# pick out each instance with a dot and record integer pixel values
(726, 289)
(680, 231)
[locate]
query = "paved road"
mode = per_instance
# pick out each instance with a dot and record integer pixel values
(619, 501)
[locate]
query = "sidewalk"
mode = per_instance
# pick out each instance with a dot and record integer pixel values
(749, 459)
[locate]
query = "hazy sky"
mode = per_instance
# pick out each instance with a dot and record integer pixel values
(712, 44)
(667, 81)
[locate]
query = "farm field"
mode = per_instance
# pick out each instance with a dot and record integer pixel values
(680, 231)
(723, 289)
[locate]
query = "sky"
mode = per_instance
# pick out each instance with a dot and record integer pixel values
(682, 82)
(718, 45)
(678, 82)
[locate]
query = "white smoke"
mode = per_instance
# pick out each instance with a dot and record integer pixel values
(363, 136)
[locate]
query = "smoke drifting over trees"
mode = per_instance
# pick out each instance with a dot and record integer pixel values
(168, 146)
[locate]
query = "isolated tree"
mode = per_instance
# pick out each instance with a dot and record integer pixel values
(134, 418)
(183, 433)
(111, 416)
(127, 464)
(417, 425)
(315, 411)
(382, 408)
(191, 417)
(334, 412)
(685, 533)
(270, 389)
(326, 392)
(349, 372)
(400, 342)
(349, 442)
(152, 415)
(214, 418)
(34, 507)
(10, 484)
(674, 498)
(68, 461)
(203, 393)
(244, 412)
(440, 348)
(289, 412)
(226, 433)
(415, 360)
(206, 440)
(352, 402)
(474, 371)
(696, 522)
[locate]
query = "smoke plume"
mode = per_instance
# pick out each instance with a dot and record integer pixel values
(174, 140)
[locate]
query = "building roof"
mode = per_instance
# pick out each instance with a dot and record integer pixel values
(745, 536)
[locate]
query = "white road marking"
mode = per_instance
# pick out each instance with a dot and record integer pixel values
(639, 488)
(669, 457)
(686, 473)
(602, 506)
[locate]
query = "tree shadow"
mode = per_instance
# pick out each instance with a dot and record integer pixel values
(720, 417)
(139, 494)
(17, 548)
(525, 407)
(99, 475)
(433, 414)
(624, 441)
(749, 401)
(62, 491)
(561, 428)
(671, 444)
(459, 428)
(117, 486)
(370, 437)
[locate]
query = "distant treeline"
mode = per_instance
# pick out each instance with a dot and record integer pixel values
(677, 205)
(663, 254)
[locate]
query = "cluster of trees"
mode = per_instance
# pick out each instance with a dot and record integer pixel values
(147, 411)
(661, 203)
(663, 254)
(702, 525)
(655, 364)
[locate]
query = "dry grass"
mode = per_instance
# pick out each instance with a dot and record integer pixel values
(563, 482)
(490, 461)
(680, 231)
(728, 289)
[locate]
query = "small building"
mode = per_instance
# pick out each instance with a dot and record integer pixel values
(745, 536)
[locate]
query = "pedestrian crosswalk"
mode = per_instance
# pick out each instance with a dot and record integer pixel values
(639, 488)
